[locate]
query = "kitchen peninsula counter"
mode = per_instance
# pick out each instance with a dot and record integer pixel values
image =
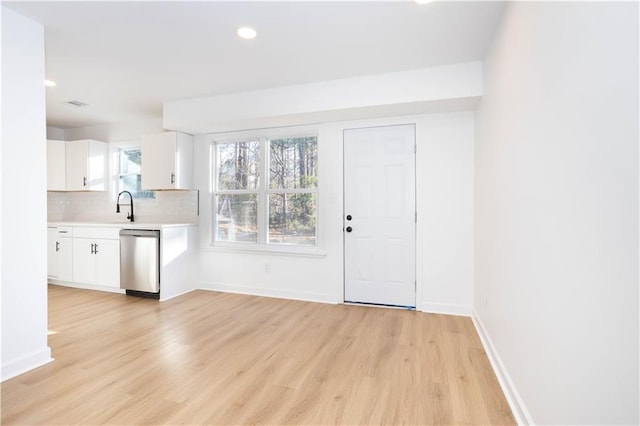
(86, 254)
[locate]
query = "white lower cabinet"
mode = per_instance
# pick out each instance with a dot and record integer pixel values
(89, 257)
(83, 256)
(96, 261)
(65, 258)
(59, 253)
(108, 263)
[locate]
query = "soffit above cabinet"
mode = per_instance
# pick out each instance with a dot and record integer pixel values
(430, 90)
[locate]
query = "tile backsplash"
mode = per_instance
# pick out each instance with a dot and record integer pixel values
(166, 207)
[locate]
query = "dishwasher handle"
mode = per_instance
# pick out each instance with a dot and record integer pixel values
(148, 233)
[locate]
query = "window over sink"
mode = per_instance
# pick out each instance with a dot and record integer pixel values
(130, 173)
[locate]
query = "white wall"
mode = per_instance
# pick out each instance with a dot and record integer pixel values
(56, 133)
(556, 213)
(444, 230)
(24, 221)
(444, 169)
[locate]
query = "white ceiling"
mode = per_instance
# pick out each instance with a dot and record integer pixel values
(124, 59)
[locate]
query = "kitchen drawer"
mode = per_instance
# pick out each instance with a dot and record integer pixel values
(65, 231)
(105, 233)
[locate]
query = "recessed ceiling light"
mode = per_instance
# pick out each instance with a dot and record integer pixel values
(50, 83)
(423, 1)
(247, 33)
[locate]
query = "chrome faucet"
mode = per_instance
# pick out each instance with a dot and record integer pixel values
(130, 214)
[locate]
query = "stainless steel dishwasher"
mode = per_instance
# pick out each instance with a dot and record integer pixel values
(140, 262)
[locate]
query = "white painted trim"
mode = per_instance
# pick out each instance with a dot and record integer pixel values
(518, 408)
(86, 286)
(445, 308)
(265, 249)
(109, 289)
(372, 305)
(173, 296)
(268, 292)
(28, 362)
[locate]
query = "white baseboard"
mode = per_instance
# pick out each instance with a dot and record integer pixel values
(86, 286)
(173, 296)
(268, 292)
(445, 308)
(519, 410)
(26, 363)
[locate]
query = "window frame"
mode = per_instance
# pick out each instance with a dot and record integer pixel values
(262, 191)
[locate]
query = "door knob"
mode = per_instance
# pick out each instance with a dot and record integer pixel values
(349, 229)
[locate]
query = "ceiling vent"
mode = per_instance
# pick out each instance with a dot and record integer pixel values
(75, 104)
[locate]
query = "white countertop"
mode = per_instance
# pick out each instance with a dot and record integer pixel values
(127, 224)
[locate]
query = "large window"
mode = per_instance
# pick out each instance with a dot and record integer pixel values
(266, 191)
(130, 173)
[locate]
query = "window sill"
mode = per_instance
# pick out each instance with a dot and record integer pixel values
(268, 250)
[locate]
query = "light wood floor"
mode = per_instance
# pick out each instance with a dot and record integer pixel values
(214, 358)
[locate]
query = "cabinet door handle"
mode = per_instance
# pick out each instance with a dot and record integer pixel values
(95, 249)
(57, 246)
(92, 248)
(84, 181)
(173, 178)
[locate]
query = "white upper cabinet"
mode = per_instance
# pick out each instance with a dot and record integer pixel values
(86, 165)
(167, 161)
(56, 161)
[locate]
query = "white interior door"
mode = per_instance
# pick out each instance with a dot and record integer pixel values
(379, 215)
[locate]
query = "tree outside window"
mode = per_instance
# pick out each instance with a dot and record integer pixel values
(292, 191)
(266, 191)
